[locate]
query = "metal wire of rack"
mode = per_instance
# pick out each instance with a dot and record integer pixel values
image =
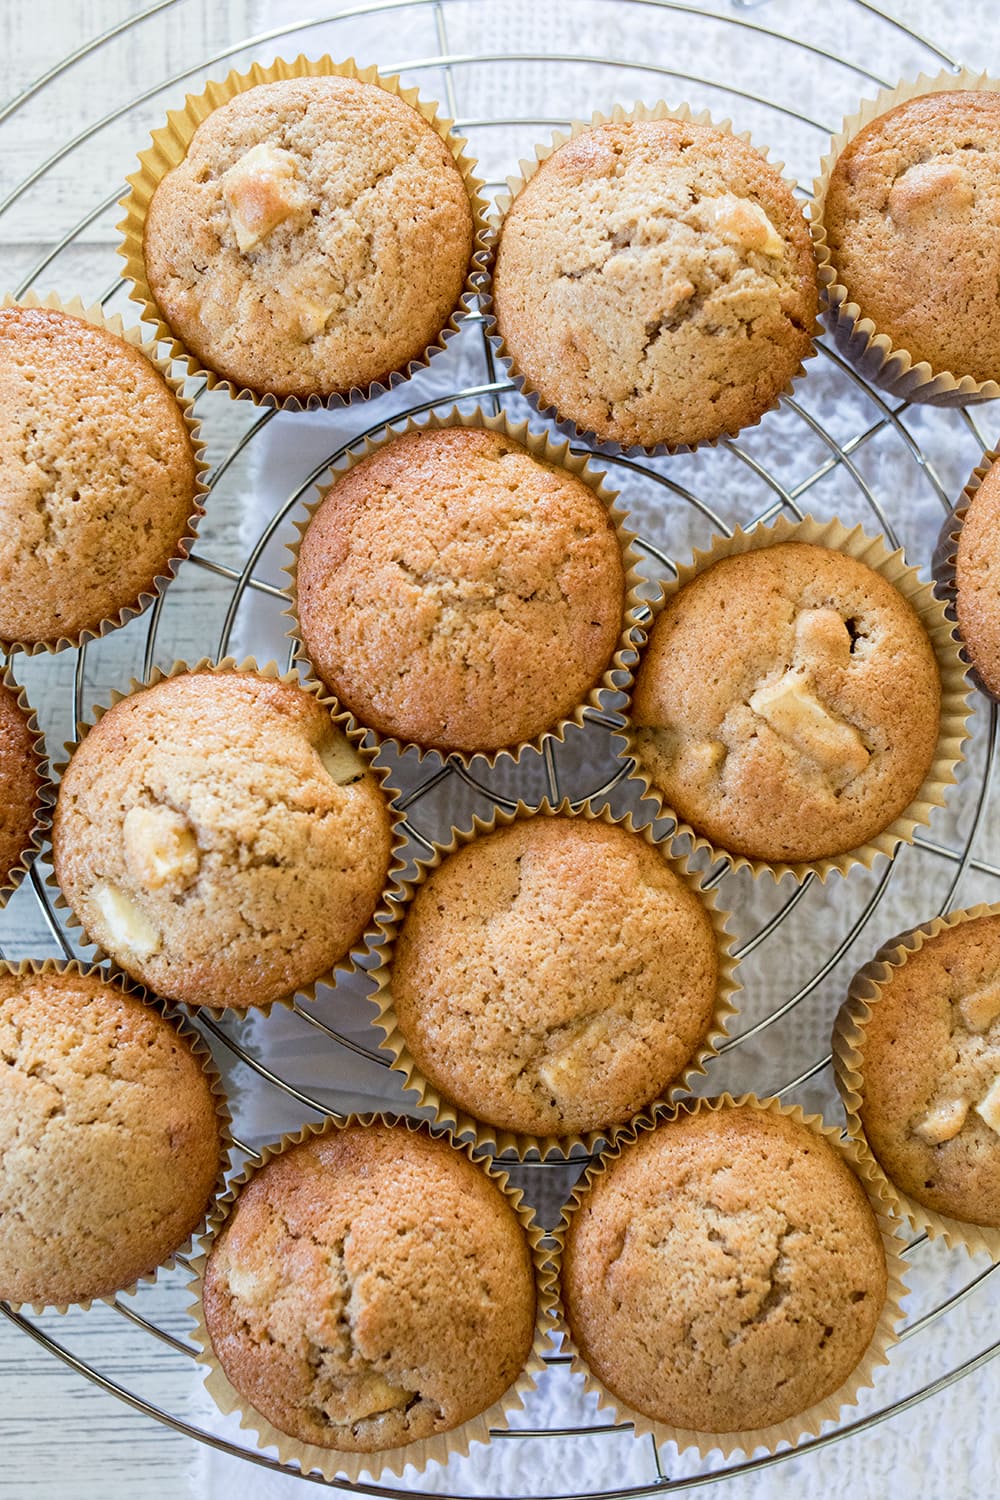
(835, 456)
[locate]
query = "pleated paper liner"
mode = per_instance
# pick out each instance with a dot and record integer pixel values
(351, 962)
(848, 1064)
(201, 1051)
(528, 168)
(134, 337)
(169, 147)
(874, 355)
(617, 676)
(331, 1462)
(875, 553)
(44, 794)
(809, 1422)
(945, 561)
(480, 1132)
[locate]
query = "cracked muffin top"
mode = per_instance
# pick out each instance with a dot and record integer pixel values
(655, 282)
(220, 838)
(370, 1287)
(97, 475)
(20, 782)
(977, 580)
(931, 1073)
(911, 212)
(458, 593)
(533, 996)
(788, 703)
(315, 238)
(726, 1272)
(109, 1138)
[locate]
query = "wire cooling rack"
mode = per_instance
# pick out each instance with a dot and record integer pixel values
(837, 446)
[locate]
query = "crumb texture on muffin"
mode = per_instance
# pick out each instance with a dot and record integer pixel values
(930, 1088)
(109, 1138)
(977, 580)
(20, 782)
(221, 839)
(788, 703)
(370, 1288)
(458, 593)
(534, 996)
(97, 475)
(315, 237)
(655, 282)
(911, 214)
(725, 1273)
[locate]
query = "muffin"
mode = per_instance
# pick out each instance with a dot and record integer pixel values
(221, 838)
(725, 1272)
(371, 1287)
(21, 782)
(909, 213)
(929, 1065)
(655, 282)
(98, 477)
(109, 1137)
(788, 704)
(977, 579)
(555, 976)
(315, 237)
(458, 593)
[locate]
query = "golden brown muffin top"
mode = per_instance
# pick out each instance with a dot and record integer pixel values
(221, 839)
(931, 1073)
(371, 1287)
(911, 215)
(725, 1273)
(97, 475)
(456, 592)
(20, 782)
(788, 703)
(977, 580)
(655, 282)
(109, 1138)
(315, 237)
(533, 995)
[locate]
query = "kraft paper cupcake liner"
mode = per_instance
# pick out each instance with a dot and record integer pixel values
(848, 1066)
(95, 315)
(617, 676)
(874, 355)
(352, 961)
(169, 147)
(201, 1050)
(809, 1422)
(44, 794)
(955, 709)
(481, 1133)
(331, 1462)
(945, 562)
(565, 425)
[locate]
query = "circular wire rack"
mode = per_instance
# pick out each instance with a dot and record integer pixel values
(673, 492)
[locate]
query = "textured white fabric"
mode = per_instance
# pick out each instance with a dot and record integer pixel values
(948, 1446)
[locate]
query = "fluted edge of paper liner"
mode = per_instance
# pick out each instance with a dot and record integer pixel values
(199, 1047)
(874, 355)
(489, 1138)
(809, 1422)
(848, 1068)
(875, 553)
(331, 1462)
(351, 962)
(617, 676)
(169, 145)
